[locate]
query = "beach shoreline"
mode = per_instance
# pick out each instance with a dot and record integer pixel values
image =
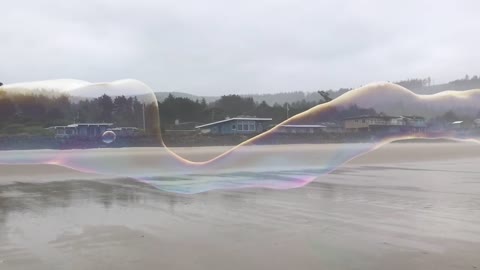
(402, 206)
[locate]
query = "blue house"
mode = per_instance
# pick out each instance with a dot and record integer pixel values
(236, 125)
(81, 130)
(90, 131)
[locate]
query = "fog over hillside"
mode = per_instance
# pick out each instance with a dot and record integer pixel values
(418, 86)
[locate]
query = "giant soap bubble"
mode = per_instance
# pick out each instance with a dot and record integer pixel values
(109, 137)
(357, 122)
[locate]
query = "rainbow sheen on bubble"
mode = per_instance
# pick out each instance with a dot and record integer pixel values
(268, 160)
(109, 137)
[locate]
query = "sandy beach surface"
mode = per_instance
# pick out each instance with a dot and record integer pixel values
(403, 206)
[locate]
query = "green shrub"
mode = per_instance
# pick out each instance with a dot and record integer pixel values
(20, 129)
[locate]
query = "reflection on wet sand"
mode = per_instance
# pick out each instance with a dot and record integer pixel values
(400, 215)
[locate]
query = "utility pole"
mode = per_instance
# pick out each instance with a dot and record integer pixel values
(288, 109)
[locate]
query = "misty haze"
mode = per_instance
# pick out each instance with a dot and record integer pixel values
(239, 135)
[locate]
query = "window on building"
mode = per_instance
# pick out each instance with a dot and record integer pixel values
(252, 126)
(245, 126)
(240, 127)
(233, 127)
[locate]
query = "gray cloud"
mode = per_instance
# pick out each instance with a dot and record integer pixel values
(216, 47)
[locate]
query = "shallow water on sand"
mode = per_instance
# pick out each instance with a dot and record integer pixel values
(422, 215)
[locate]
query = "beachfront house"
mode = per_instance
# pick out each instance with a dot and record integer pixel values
(333, 127)
(385, 123)
(183, 127)
(235, 125)
(62, 132)
(81, 130)
(91, 131)
(418, 123)
(125, 131)
(300, 129)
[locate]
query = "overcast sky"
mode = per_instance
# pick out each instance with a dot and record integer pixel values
(213, 47)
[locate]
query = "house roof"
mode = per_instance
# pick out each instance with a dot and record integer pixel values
(332, 124)
(385, 117)
(55, 127)
(371, 116)
(303, 126)
(415, 117)
(124, 128)
(90, 124)
(235, 118)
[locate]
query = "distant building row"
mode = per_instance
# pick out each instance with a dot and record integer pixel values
(385, 123)
(252, 125)
(90, 131)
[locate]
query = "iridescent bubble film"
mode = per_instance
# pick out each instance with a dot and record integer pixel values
(287, 155)
(109, 137)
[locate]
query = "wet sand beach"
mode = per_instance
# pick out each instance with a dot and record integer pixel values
(403, 206)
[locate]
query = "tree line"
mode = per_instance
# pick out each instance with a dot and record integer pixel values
(30, 112)
(182, 109)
